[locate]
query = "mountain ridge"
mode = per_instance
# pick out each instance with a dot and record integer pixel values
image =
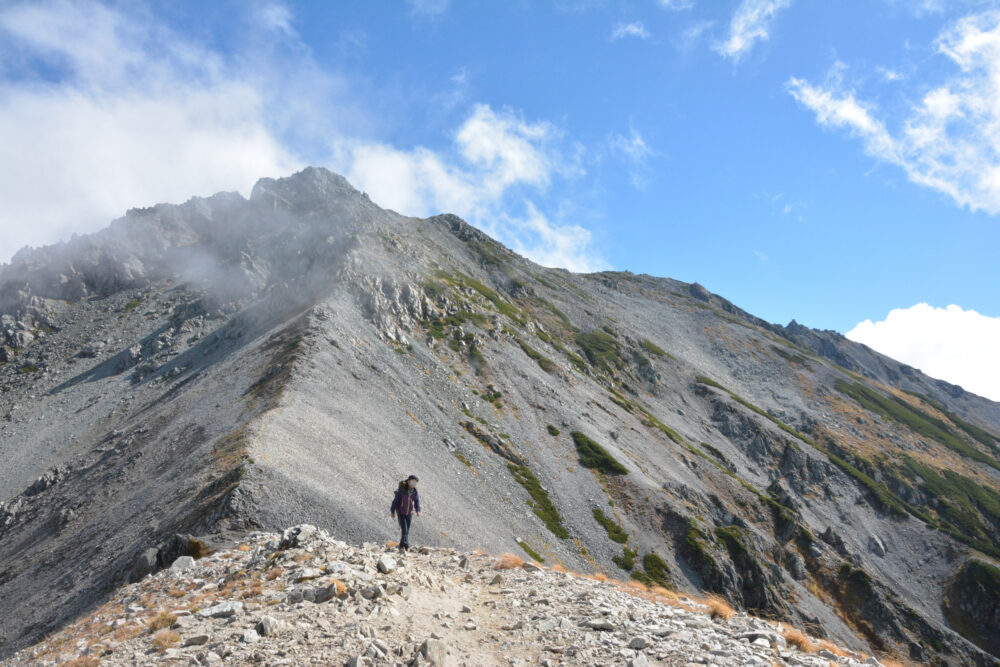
(252, 338)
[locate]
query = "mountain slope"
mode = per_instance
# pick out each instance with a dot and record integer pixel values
(230, 364)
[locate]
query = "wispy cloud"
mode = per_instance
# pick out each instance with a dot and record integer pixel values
(949, 343)
(676, 5)
(127, 113)
(634, 29)
(429, 7)
(634, 150)
(751, 23)
(949, 139)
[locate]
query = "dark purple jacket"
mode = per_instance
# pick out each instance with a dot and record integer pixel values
(407, 501)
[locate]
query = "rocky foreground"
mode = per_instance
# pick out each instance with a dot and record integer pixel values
(303, 598)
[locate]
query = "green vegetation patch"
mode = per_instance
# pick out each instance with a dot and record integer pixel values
(544, 363)
(656, 571)
(600, 349)
(791, 357)
(913, 418)
(968, 511)
(627, 560)
(655, 349)
(540, 502)
(131, 305)
(595, 457)
(701, 379)
(613, 528)
(531, 552)
(461, 457)
(28, 368)
(553, 431)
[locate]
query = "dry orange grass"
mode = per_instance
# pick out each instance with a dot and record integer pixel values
(164, 639)
(559, 568)
(164, 619)
(304, 556)
(598, 576)
(718, 607)
(84, 661)
(635, 586)
(392, 544)
(341, 587)
(662, 592)
(509, 561)
(127, 632)
(273, 573)
(176, 593)
(832, 648)
(243, 547)
(799, 640)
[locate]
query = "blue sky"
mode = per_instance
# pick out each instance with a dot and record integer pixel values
(832, 162)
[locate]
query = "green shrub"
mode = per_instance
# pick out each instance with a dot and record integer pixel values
(132, 305)
(595, 457)
(531, 552)
(540, 503)
(613, 528)
(655, 349)
(544, 363)
(657, 572)
(627, 560)
(28, 368)
(553, 431)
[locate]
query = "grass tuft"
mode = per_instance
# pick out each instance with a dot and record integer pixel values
(719, 607)
(165, 639)
(508, 561)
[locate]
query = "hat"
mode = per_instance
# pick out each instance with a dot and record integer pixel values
(413, 477)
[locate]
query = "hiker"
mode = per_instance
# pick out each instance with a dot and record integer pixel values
(404, 504)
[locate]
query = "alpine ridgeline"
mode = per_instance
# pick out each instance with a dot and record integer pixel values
(229, 365)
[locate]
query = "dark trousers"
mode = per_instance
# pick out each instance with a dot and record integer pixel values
(404, 527)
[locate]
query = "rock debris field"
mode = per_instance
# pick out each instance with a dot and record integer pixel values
(303, 598)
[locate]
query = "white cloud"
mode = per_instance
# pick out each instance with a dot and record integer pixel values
(751, 23)
(498, 154)
(676, 5)
(635, 151)
(635, 29)
(952, 344)
(138, 117)
(950, 139)
(429, 7)
(276, 16)
(633, 147)
(129, 113)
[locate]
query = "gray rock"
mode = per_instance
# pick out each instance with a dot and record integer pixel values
(222, 610)
(268, 626)
(435, 652)
(250, 637)
(297, 536)
(386, 564)
(196, 640)
(601, 624)
(183, 563)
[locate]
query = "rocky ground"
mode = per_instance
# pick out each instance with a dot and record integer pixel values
(303, 598)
